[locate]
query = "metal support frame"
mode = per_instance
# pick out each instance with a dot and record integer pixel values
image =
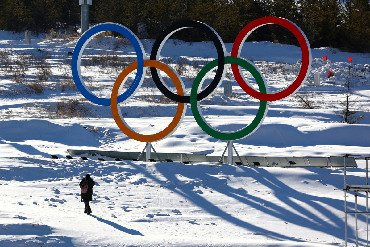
(230, 152)
(148, 152)
(262, 161)
(230, 147)
(356, 189)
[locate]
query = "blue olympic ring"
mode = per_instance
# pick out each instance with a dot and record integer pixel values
(77, 54)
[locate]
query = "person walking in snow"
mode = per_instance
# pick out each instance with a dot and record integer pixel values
(86, 186)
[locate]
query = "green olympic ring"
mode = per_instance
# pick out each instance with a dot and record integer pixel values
(195, 107)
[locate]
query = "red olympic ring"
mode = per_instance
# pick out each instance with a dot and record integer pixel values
(305, 49)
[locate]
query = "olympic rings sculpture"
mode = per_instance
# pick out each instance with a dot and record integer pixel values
(195, 96)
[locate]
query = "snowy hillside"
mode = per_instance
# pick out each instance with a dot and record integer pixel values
(166, 204)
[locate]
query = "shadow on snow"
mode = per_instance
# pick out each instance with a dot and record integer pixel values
(118, 227)
(283, 192)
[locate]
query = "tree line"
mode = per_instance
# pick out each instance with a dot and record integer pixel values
(342, 24)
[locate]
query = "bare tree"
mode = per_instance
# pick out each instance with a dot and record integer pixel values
(349, 112)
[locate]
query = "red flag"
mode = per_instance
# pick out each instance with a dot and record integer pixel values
(350, 59)
(331, 73)
(325, 58)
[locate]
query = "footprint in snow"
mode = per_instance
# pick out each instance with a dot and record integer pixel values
(126, 209)
(193, 222)
(20, 217)
(177, 212)
(150, 216)
(159, 214)
(61, 201)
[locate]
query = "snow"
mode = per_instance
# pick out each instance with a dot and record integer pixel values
(173, 204)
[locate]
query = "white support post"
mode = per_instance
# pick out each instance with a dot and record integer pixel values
(228, 89)
(230, 152)
(357, 189)
(148, 151)
(316, 79)
(27, 37)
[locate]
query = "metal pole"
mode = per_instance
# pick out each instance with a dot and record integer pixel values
(142, 152)
(356, 217)
(238, 155)
(85, 9)
(367, 218)
(156, 153)
(367, 171)
(223, 155)
(367, 202)
(345, 202)
(148, 151)
(350, 212)
(345, 172)
(230, 152)
(85, 13)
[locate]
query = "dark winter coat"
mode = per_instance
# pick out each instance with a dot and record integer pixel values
(88, 195)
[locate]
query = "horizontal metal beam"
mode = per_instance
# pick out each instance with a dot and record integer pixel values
(357, 212)
(357, 187)
(332, 161)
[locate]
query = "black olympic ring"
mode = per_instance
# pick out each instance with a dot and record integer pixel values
(220, 47)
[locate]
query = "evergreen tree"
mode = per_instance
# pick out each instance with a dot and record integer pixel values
(356, 26)
(106, 11)
(49, 14)
(250, 10)
(335, 23)
(286, 9)
(15, 15)
(321, 21)
(222, 15)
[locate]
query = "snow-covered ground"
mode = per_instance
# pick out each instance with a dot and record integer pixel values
(165, 204)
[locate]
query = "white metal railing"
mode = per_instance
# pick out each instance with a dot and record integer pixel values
(358, 188)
